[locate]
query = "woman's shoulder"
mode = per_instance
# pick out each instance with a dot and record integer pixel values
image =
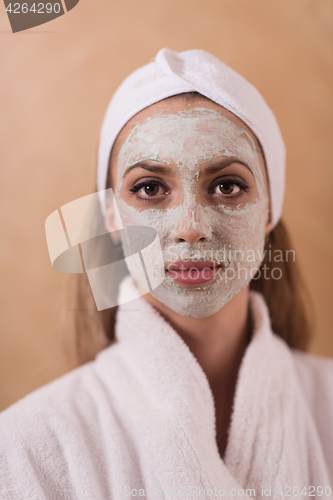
(54, 397)
(315, 374)
(48, 437)
(314, 369)
(54, 410)
(36, 431)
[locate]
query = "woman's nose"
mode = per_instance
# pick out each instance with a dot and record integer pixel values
(192, 228)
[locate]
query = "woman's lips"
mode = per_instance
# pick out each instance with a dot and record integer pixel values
(195, 273)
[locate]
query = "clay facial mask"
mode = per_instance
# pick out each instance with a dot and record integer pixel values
(230, 231)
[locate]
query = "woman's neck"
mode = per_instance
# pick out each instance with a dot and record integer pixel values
(218, 342)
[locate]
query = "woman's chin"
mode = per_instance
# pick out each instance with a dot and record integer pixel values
(193, 301)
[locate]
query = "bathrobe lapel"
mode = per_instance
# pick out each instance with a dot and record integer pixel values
(166, 408)
(273, 441)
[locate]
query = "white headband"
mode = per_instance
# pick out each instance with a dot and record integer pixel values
(174, 73)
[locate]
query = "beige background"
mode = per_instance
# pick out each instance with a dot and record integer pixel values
(56, 81)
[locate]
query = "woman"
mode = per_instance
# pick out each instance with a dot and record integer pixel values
(197, 396)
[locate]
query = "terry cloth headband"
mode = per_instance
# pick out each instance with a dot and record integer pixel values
(172, 73)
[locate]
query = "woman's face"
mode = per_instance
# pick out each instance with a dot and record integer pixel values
(195, 173)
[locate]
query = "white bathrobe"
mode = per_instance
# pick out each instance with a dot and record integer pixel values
(139, 422)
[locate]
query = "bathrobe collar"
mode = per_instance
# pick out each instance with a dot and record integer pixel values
(170, 408)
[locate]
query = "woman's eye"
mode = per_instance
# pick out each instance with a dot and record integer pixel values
(227, 188)
(148, 189)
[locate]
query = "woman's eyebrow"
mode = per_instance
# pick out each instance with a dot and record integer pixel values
(213, 169)
(159, 169)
